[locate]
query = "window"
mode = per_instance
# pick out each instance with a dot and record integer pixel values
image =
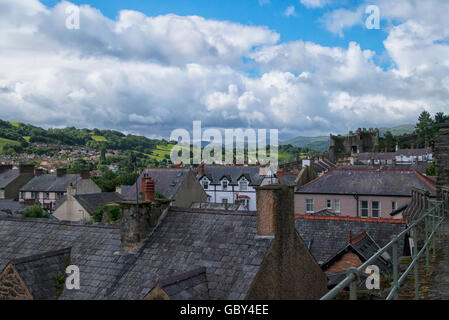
(375, 209)
(394, 205)
(224, 201)
(46, 195)
(22, 195)
(363, 208)
(337, 205)
(225, 184)
(309, 206)
(243, 185)
(205, 184)
(328, 204)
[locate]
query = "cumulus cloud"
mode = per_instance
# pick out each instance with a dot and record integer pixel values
(149, 75)
(314, 3)
(290, 11)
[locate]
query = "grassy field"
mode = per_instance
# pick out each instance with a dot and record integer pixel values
(4, 141)
(160, 152)
(15, 124)
(99, 138)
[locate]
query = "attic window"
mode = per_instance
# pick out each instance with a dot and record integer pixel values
(243, 185)
(225, 184)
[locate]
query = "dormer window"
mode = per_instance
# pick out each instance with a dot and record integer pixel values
(224, 184)
(243, 185)
(205, 184)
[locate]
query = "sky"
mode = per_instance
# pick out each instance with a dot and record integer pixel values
(304, 67)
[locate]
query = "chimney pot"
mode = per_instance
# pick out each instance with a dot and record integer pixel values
(201, 169)
(148, 187)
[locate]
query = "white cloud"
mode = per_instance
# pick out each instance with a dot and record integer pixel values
(149, 75)
(290, 11)
(314, 3)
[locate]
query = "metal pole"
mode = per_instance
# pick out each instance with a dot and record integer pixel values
(426, 222)
(433, 229)
(415, 254)
(395, 266)
(353, 284)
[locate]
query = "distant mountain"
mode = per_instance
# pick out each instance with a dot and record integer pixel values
(322, 143)
(399, 130)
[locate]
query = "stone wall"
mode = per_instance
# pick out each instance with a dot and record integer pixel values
(12, 286)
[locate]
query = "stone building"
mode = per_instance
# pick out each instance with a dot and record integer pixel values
(355, 142)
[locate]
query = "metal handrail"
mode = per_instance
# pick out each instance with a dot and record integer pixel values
(436, 216)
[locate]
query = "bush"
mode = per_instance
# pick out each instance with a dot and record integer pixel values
(36, 212)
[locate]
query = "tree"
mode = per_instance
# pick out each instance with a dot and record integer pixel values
(424, 129)
(36, 212)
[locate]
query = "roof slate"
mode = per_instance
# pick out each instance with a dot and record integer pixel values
(167, 181)
(368, 182)
(38, 272)
(329, 235)
(8, 176)
(91, 202)
(51, 183)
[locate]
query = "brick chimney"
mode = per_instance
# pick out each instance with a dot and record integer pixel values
(201, 169)
(60, 172)
(148, 187)
(280, 173)
(85, 174)
(26, 168)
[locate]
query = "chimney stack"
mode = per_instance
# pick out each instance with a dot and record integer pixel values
(148, 188)
(26, 168)
(280, 173)
(5, 167)
(60, 172)
(201, 169)
(85, 174)
(38, 172)
(274, 210)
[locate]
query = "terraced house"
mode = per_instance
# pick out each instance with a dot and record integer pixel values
(365, 193)
(234, 184)
(47, 189)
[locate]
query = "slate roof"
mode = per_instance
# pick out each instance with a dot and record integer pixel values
(329, 235)
(225, 243)
(91, 202)
(12, 206)
(190, 285)
(8, 176)
(368, 182)
(38, 272)
(420, 166)
(51, 183)
(232, 173)
(93, 247)
(167, 181)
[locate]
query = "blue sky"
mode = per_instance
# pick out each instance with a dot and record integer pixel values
(305, 67)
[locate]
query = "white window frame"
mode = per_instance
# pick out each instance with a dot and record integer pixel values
(243, 182)
(310, 202)
(378, 209)
(361, 208)
(224, 184)
(337, 206)
(205, 183)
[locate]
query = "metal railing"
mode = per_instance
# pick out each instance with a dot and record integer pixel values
(432, 220)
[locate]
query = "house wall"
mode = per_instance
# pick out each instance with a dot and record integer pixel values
(11, 191)
(348, 204)
(190, 191)
(348, 260)
(71, 210)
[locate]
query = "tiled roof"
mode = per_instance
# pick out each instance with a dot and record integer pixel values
(190, 285)
(329, 235)
(420, 167)
(167, 182)
(8, 176)
(12, 206)
(93, 248)
(225, 244)
(51, 183)
(233, 173)
(91, 202)
(368, 182)
(38, 272)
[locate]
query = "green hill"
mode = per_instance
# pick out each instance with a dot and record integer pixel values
(320, 144)
(399, 130)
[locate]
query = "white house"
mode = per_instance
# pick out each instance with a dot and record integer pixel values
(234, 184)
